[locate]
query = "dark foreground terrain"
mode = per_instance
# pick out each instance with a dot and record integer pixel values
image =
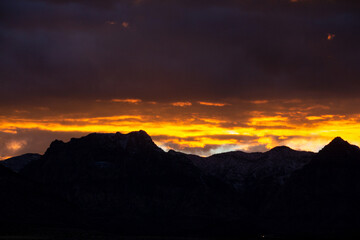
(107, 186)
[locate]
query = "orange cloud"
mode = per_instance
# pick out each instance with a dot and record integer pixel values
(110, 22)
(15, 145)
(213, 104)
(330, 36)
(260, 101)
(126, 100)
(9, 131)
(181, 104)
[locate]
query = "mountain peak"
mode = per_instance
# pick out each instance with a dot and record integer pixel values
(132, 142)
(281, 149)
(141, 133)
(142, 138)
(338, 146)
(337, 143)
(338, 140)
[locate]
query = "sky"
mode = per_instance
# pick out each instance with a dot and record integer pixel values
(201, 77)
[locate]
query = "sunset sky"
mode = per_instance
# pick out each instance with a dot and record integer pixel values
(200, 77)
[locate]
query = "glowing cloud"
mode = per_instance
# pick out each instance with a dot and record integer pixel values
(260, 101)
(181, 104)
(330, 36)
(213, 104)
(15, 145)
(130, 100)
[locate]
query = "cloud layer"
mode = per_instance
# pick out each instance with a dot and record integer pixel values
(268, 72)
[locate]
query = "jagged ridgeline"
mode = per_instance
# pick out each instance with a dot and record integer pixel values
(125, 184)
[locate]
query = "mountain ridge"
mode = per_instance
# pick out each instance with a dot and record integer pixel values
(127, 176)
(125, 183)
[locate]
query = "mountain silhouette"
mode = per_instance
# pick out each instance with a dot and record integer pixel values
(255, 176)
(16, 164)
(323, 197)
(125, 184)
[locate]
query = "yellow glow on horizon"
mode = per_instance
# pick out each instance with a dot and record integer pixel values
(308, 133)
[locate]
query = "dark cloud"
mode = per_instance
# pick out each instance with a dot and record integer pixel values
(178, 50)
